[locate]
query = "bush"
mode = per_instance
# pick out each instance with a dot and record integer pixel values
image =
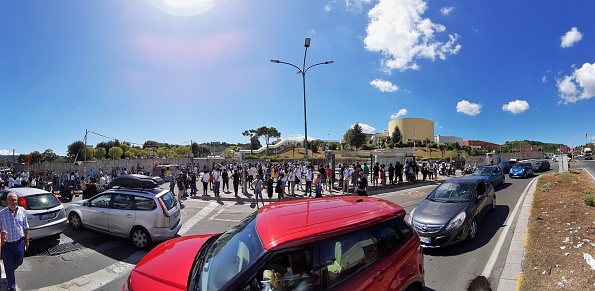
(589, 201)
(368, 147)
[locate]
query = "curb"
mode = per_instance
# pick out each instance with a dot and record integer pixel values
(513, 271)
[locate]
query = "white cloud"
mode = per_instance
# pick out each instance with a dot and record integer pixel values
(578, 86)
(384, 86)
(401, 112)
(516, 107)
(397, 30)
(446, 10)
(5, 152)
(468, 108)
(327, 8)
(365, 128)
(571, 37)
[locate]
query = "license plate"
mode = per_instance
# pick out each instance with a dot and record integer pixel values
(47, 216)
(426, 240)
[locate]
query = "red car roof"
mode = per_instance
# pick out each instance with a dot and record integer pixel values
(293, 223)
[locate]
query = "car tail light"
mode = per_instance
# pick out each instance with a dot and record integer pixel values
(22, 202)
(163, 208)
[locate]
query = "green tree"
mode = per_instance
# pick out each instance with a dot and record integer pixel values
(396, 137)
(252, 134)
(125, 147)
(74, 149)
(161, 152)
(115, 152)
(49, 155)
(22, 158)
(267, 133)
(99, 153)
(35, 157)
(314, 145)
(143, 153)
(90, 152)
(355, 136)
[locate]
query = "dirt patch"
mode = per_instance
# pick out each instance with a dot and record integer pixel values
(561, 234)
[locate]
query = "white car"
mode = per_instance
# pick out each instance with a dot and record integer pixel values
(139, 211)
(555, 158)
(45, 213)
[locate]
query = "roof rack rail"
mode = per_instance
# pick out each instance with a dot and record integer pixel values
(136, 181)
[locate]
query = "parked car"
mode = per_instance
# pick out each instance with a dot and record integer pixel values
(339, 243)
(541, 166)
(45, 213)
(506, 165)
(521, 170)
(494, 174)
(452, 211)
(135, 208)
(555, 158)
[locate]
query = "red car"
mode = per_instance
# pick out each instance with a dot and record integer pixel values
(340, 243)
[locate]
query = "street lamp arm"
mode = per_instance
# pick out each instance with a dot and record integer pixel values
(323, 63)
(281, 62)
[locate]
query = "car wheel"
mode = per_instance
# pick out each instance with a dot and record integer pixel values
(525, 175)
(503, 180)
(75, 221)
(493, 206)
(140, 237)
(414, 288)
(472, 230)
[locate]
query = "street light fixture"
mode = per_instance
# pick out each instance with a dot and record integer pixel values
(303, 70)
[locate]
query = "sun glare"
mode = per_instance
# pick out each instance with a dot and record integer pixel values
(184, 7)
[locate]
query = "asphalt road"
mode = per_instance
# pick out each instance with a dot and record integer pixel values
(103, 262)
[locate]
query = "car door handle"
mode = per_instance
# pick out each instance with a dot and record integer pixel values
(129, 215)
(380, 275)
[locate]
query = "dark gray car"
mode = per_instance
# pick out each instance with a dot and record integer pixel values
(451, 213)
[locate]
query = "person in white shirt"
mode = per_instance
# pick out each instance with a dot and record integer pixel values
(205, 182)
(216, 182)
(10, 181)
(102, 182)
(309, 181)
(298, 177)
(346, 177)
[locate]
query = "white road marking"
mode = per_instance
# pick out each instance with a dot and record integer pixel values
(107, 275)
(494, 256)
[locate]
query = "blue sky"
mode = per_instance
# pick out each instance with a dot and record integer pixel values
(175, 71)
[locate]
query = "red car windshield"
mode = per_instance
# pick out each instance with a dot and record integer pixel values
(228, 257)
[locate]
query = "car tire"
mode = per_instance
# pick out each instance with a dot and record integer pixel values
(74, 220)
(140, 237)
(503, 180)
(493, 205)
(472, 230)
(414, 288)
(525, 175)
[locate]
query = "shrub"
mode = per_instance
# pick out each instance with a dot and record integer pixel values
(589, 201)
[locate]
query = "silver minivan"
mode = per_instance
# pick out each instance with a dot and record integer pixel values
(45, 213)
(143, 215)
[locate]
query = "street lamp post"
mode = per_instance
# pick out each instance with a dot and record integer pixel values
(303, 71)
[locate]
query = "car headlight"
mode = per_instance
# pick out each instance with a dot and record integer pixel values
(411, 216)
(457, 221)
